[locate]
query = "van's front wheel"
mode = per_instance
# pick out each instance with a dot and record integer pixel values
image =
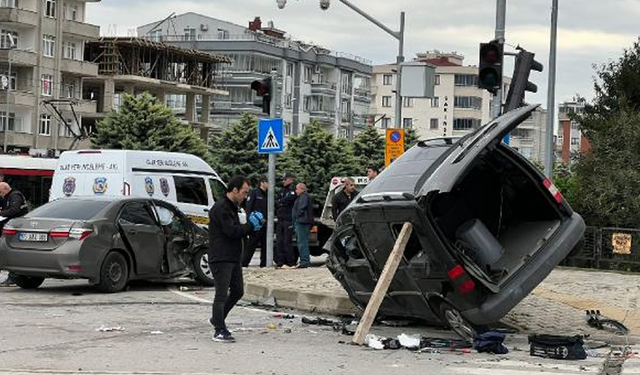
(458, 324)
(201, 267)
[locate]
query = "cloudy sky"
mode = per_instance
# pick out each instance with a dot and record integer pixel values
(590, 31)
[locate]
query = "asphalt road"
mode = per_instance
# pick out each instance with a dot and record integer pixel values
(54, 329)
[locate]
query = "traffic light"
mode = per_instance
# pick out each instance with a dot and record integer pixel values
(490, 73)
(263, 91)
(520, 81)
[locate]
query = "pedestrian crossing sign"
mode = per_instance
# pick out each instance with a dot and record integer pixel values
(270, 136)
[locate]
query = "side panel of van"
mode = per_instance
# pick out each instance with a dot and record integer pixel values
(87, 175)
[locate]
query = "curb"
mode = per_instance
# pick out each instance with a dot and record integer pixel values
(305, 301)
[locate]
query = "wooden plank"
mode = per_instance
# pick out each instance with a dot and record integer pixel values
(389, 271)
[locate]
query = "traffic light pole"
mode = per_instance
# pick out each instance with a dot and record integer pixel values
(501, 15)
(551, 92)
(271, 195)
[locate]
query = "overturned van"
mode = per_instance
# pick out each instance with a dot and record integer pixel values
(488, 227)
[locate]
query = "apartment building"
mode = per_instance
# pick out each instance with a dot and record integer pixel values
(44, 40)
(458, 105)
(314, 83)
(570, 140)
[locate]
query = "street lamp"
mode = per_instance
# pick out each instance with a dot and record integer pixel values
(399, 35)
(9, 39)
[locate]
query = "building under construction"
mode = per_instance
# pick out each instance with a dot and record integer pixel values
(134, 65)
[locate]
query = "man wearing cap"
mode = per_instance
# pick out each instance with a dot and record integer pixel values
(285, 257)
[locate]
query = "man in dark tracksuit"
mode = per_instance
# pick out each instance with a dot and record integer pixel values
(343, 198)
(285, 256)
(14, 205)
(257, 202)
(225, 253)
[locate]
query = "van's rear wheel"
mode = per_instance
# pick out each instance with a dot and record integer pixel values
(201, 267)
(28, 282)
(458, 324)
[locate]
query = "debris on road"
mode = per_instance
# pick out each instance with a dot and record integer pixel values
(409, 341)
(596, 320)
(319, 321)
(490, 342)
(557, 347)
(374, 342)
(284, 316)
(156, 332)
(104, 328)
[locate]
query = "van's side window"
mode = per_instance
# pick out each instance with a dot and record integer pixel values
(191, 190)
(217, 189)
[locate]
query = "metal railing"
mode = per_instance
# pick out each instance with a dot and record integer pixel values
(608, 249)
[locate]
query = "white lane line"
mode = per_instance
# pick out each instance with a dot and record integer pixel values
(203, 300)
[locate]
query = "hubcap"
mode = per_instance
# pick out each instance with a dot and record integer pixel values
(115, 272)
(204, 266)
(459, 325)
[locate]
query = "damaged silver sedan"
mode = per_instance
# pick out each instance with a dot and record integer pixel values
(488, 228)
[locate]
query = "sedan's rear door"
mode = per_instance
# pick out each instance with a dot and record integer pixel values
(144, 237)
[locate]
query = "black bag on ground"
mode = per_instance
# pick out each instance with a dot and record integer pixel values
(557, 347)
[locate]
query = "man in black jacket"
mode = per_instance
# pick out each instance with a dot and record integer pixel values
(14, 205)
(225, 253)
(257, 202)
(285, 256)
(303, 219)
(343, 198)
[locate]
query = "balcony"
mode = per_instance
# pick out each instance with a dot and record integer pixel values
(362, 95)
(85, 30)
(235, 108)
(323, 116)
(323, 88)
(79, 68)
(86, 106)
(19, 99)
(14, 15)
(19, 57)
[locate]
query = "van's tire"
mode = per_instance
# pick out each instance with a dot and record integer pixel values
(201, 267)
(28, 282)
(458, 324)
(114, 273)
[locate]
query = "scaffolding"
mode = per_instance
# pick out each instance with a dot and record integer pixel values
(146, 58)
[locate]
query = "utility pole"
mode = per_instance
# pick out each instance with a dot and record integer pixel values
(551, 92)
(12, 45)
(271, 195)
(501, 12)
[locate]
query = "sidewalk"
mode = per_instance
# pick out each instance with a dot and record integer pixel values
(557, 305)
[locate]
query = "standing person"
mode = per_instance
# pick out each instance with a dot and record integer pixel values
(257, 202)
(14, 205)
(225, 253)
(285, 256)
(302, 221)
(343, 198)
(372, 172)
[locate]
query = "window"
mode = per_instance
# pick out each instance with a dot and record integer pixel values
(48, 45)
(3, 120)
(386, 101)
(466, 80)
(407, 102)
(191, 190)
(308, 73)
(344, 133)
(223, 34)
(466, 123)
(68, 89)
(435, 102)
(50, 8)
(156, 36)
(289, 70)
(307, 103)
(385, 123)
(287, 129)
(471, 102)
(9, 3)
(287, 101)
(189, 33)
(217, 189)
(433, 124)
(72, 12)
(575, 141)
(436, 79)
(45, 124)
(46, 81)
(387, 79)
(70, 209)
(70, 51)
(137, 214)
(13, 79)
(5, 39)
(407, 123)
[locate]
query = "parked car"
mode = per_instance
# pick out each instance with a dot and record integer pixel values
(108, 240)
(488, 227)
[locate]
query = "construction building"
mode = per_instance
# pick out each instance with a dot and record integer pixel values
(314, 83)
(570, 141)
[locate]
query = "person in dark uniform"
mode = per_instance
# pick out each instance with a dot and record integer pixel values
(285, 255)
(343, 198)
(14, 205)
(257, 202)
(225, 253)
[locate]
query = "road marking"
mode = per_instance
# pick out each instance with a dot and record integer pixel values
(65, 372)
(203, 300)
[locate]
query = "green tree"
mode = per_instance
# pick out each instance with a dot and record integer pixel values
(410, 138)
(235, 151)
(607, 178)
(368, 147)
(143, 123)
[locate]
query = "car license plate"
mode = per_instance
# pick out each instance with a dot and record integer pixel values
(33, 237)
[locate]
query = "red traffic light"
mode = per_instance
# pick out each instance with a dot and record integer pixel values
(490, 53)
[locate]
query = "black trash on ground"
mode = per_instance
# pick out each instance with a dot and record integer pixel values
(557, 346)
(596, 320)
(490, 342)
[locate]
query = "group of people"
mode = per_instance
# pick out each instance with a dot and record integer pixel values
(12, 204)
(294, 210)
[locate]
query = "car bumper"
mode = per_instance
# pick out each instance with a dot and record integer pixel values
(63, 262)
(498, 305)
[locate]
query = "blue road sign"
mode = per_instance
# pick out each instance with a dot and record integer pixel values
(270, 136)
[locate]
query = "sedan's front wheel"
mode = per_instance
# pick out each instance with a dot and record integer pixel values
(114, 273)
(202, 269)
